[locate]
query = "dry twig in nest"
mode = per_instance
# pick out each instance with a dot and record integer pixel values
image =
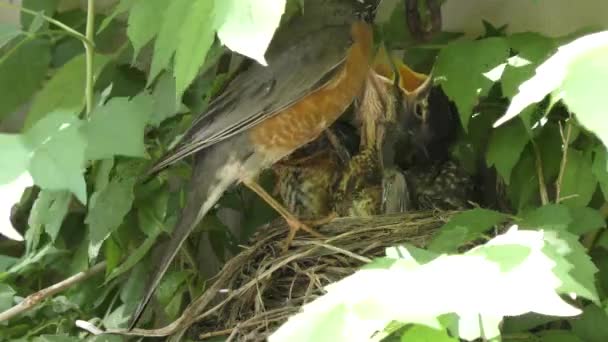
(261, 287)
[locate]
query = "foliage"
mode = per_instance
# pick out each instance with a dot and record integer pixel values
(106, 93)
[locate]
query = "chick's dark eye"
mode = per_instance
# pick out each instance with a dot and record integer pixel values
(419, 110)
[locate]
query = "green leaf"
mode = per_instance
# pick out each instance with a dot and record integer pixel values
(22, 71)
(6, 297)
(152, 212)
(47, 7)
(573, 266)
(592, 325)
(574, 69)
(134, 258)
(460, 68)
(600, 168)
(464, 227)
(55, 338)
(578, 180)
(558, 336)
(164, 99)
(117, 128)
(122, 7)
(531, 47)
(583, 87)
(505, 148)
(464, 285)
(65, 90)
(14, 157)
(247, 26)
(58, 153)
(196, 34)
(585, 220)
(8, 32)
(166, 44)
(145, 19)
(49, 210)
(107, 210)
(421, 333)
(551, 216)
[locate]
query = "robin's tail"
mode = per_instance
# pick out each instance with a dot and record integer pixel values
(211, 176)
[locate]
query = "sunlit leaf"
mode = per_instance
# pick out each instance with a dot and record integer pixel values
(57, 161)
(117, 127)
(247, 26)
(360, 305)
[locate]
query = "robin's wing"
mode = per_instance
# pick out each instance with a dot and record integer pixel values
(295, 69)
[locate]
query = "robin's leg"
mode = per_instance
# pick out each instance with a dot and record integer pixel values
(293, 222)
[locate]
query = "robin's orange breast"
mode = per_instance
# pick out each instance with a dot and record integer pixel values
(303, 121)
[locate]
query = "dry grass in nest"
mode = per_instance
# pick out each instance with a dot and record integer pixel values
(262, 286)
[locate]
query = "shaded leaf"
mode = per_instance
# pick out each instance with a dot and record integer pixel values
(22, 71)
(164, 99)
(107, 210)
(600, 168)
(166, 44)
(8, 32)
(578, 180)
(460, 68)
(551, 216)
(465, 227)
(6, 297)
(585, 220)
(505, 148)
(134, 258)
(49, 210)
(65, 90)
(145, 18)
(592, 325)
(196, 36)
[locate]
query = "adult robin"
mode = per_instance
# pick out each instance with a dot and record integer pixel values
(317, 65)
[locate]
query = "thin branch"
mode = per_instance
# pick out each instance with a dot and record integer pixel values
(57, 23)
(544, 196)
(562, 168)
(36, 298)
(89, 55)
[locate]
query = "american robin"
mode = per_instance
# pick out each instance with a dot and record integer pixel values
(317, 65)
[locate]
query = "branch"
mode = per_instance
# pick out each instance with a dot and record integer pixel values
(34, 299)
(57, 23)
(89, 55)
(562, 168)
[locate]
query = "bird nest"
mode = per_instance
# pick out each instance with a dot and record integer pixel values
(262, 286)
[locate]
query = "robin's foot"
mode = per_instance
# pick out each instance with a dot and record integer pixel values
(293, 222)
(296, 224)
